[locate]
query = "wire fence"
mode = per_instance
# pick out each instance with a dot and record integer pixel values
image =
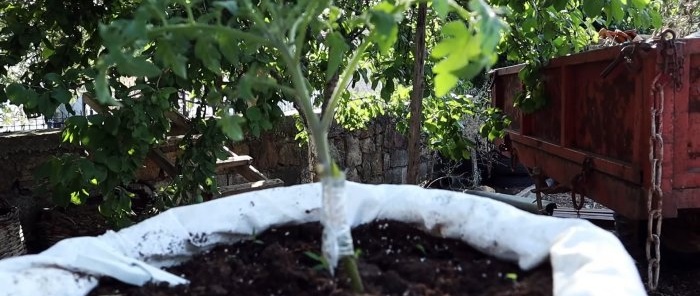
(14, 119)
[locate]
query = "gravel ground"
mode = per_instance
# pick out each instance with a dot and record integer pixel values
(563, 200)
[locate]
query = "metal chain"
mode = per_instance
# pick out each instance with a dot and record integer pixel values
(654, 193)
(670, 66)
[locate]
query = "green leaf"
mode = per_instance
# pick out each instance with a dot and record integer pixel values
(444, 82)
(177, 62)
(592, 8)
(385, 31)
(229, 48)
(254, 114)
(61, 95)
(113, 163)
(231, 126)
(616, 10)
(208, 54)
(656, 19)
(16, 93)
(102, 88)
(442, 8)
(560, 4)
(336, 50)
(639, 3)
(138, 66)
(517, 6)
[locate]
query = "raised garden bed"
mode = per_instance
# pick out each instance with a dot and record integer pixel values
(583, 258)
(395, 259)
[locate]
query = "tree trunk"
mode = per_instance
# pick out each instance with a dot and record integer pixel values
(416, 106)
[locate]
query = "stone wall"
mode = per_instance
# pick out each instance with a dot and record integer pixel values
(377, 154)
(22, 152)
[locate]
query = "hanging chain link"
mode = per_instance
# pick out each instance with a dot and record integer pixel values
(670, 65)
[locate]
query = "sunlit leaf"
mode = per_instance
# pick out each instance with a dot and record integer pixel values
(444, 82)
(639, 3)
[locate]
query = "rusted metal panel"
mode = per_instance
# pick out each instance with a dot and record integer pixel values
(609, 120)
(687, 124)
(604, 124)
(547, 124)
(506, 87)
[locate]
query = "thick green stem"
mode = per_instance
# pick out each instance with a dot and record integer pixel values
(319, 134)
(350, 265)
(211, 28)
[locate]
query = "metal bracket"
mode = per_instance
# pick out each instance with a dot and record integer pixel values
(579, 181)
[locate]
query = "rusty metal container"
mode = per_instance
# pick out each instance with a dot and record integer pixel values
(608, 119)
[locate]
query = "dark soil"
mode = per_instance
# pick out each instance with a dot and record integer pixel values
(395, 259)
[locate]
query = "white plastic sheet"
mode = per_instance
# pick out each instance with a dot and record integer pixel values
(586, 260)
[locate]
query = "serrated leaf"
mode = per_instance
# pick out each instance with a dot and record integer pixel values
(176, 61)
(336, 50)
(459, 57)
(205, 51)
(592, 8)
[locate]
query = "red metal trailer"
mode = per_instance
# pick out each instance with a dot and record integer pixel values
(600, 134)
(621, 126)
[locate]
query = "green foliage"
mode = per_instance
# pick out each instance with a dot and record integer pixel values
(239, 58)
(681, 16)
(447, 126)
(117, 145)
(466, 51)
(547, 29)
(357, 112)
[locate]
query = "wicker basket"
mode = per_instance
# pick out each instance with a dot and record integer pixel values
(11, 236)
